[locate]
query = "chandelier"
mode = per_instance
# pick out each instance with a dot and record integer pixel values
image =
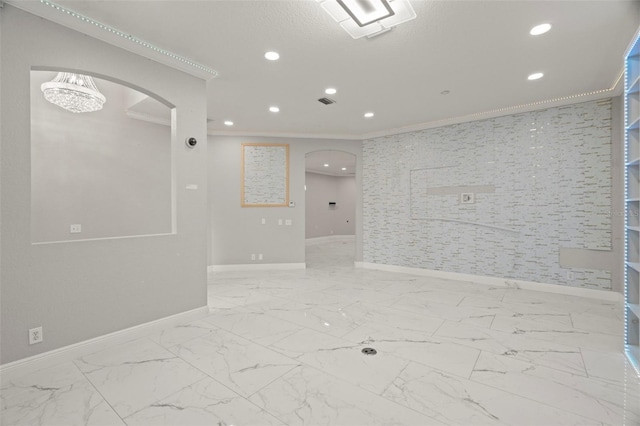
(73, 92)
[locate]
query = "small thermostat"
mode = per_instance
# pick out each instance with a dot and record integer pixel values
(292, 203)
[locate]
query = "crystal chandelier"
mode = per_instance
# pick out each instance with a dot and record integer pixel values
(73, 92)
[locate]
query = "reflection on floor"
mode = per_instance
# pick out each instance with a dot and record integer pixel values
(284, 347)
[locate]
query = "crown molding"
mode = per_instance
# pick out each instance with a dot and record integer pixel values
(71, 19)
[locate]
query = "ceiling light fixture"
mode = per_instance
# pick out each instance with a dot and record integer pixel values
(368, 115)
(535, 76)
(228, 123)
(330, 91)
(344, 168)
(274, 109)
(368, 18)
(73, 92)
(272, 56)
(366, 12)
(540, 29)
(326, 165)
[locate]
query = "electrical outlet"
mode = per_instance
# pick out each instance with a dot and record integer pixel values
(35, 335)
(75, 228)
(260, 256)
(253, 256)
(288, 222)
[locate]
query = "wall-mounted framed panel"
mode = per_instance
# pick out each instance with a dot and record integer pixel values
(265, 175)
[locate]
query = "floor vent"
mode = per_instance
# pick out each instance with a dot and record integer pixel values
(326, 101)
(369, 351)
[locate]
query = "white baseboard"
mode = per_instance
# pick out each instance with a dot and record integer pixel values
(330, 239)
(499, 282)
(256, 267)
(77, 350)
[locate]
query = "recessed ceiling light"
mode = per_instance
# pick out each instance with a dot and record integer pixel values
(330, 91)
(228, 123)
(540, 29)
(326, 165)
(344, 168)
(274, 109)
(272, 56)
(368, 115)
(535, 76)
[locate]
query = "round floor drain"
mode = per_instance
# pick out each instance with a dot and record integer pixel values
(369, 351)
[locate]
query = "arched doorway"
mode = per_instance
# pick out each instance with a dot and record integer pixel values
(330, 199)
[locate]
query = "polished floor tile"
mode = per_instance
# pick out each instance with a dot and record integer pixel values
(342, 359)
(598, 400)
(454, 400)
(133, 375)
(238, 363)
(285, 348)
(60, 395)
(540, 352)
(206, 402)
(307, 396)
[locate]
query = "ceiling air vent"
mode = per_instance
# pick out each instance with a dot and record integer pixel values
(326, 101)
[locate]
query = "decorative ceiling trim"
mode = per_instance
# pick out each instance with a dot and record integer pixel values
(615, 90)
(76, 21)
(499, 112)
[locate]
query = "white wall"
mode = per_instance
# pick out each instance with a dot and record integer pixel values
(84, 289)
(323, 220)
(103, 170)
(236, 232)
(542, 182)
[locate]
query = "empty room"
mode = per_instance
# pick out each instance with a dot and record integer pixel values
(319, 212)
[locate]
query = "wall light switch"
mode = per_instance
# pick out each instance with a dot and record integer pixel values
(264, 221)
(467, 198)
(279, 221)
(259, 256)
(75, 228)
(288, 222)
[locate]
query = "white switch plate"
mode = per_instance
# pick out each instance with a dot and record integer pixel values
(264, 221)
(75, 228)
(253, 256)
(467, 198)
(279, 221)
(288, 222)
(260, 256)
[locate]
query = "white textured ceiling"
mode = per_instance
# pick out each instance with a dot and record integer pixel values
(480, 51)
(331, 163)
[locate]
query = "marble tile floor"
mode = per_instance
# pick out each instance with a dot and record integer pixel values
(284, 348)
